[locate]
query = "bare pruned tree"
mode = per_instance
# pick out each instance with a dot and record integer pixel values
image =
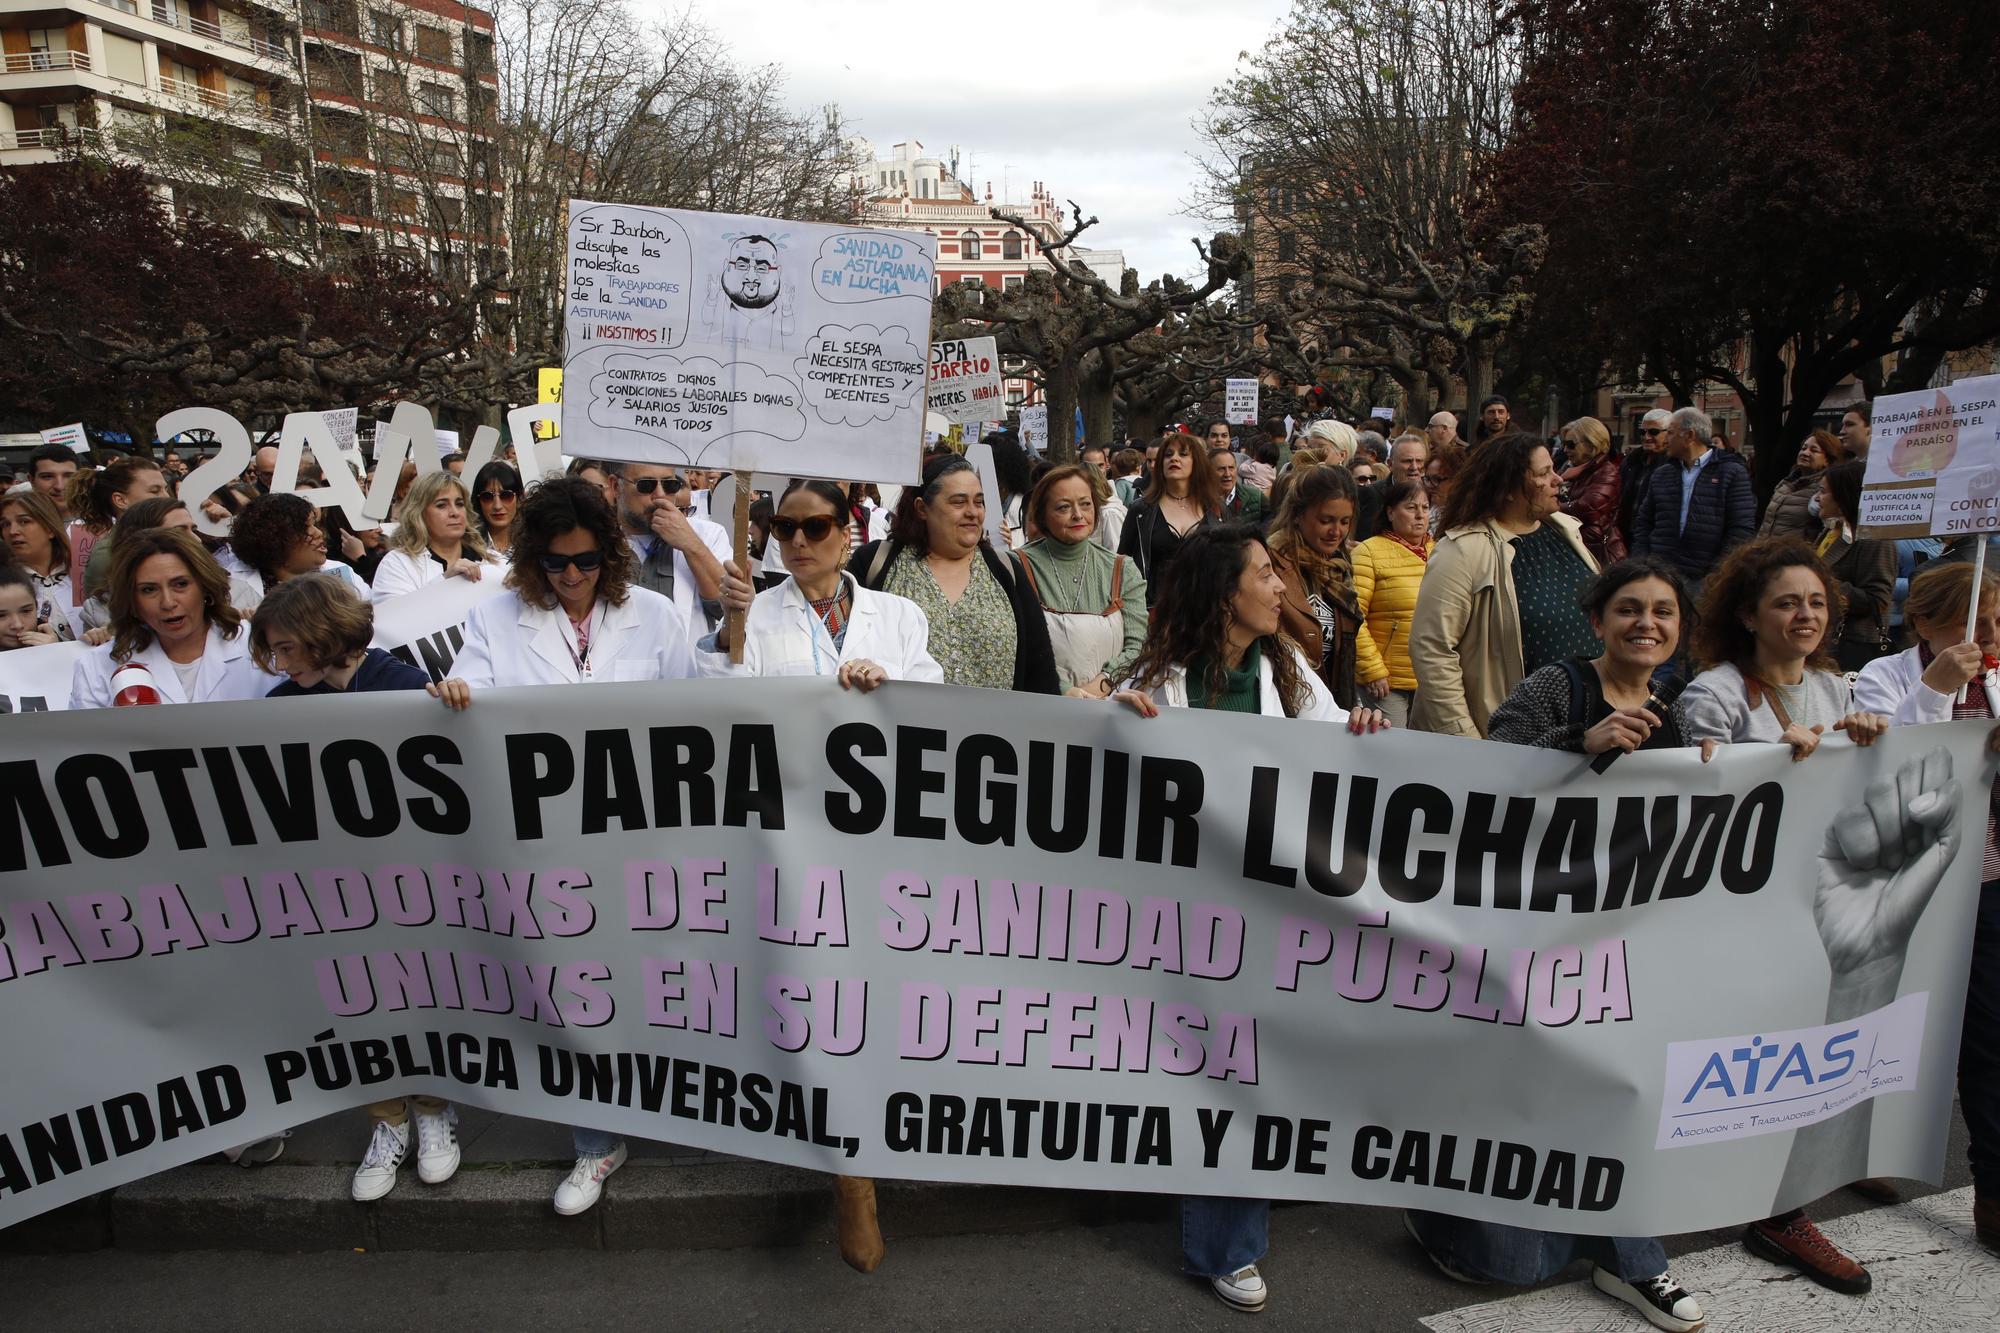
(1351, 151)
(597, 106)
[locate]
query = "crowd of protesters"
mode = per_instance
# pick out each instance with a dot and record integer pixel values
(1523, 590)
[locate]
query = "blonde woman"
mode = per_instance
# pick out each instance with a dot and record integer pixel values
(435, 539)
(1335, 440)
(1592, 488)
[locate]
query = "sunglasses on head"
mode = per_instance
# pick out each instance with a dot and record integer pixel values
(817, 528)
(647, 485)
(498, 493)
(585, 561)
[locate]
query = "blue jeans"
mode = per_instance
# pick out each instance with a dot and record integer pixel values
(592, 1142)
(1979, 1048)
(1219, 1236)
(1521, 1258)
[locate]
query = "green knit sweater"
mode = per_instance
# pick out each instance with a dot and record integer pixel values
(1241, 694)
(1077, 577)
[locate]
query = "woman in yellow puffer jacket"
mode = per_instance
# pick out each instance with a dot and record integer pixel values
(1388, 569)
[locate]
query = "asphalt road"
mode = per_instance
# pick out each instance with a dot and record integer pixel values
(1330, 1267)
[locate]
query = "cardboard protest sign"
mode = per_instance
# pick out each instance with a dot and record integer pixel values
(548, 389)
(72, 436)
(1927, 446)
(1240, 402)
(1035, 428)
(744, 343)
(965, 379)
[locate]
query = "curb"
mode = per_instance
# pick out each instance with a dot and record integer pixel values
(724, 1203)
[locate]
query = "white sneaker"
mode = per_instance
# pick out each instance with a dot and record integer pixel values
(1242, 1290)
(580, 1192)
(437, 1145)
(377, 1174)
(1663, 1301)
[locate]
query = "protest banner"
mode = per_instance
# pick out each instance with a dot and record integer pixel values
(36, 680)
(1927, 445)
(426, 628)
(961, 935)
(965, 379)
(1240, 402)
(1035, 429)
(749, 344)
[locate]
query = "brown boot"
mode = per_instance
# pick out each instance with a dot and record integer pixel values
(854, 1212)
(1876, 1190)
(1986, 1219)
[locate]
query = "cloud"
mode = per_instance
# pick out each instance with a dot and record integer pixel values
(1096, 98)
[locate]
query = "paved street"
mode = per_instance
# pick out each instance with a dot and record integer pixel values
(1344, 1267)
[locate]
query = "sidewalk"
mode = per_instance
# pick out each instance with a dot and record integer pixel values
(665, 1197)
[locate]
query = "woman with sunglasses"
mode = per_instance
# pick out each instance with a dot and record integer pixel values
(986, 628)
(496, 493)
(576, 618)
(820, 621)
(435, 539)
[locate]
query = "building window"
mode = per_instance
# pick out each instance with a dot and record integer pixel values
(968, 245)
(1288, 247)
(1010, 245)
(433, 43)
(1012, 282)
(387, 30)
(437, 99)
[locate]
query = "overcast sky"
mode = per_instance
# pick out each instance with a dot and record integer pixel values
(1094, 97)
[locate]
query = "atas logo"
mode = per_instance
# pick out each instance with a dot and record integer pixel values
(1759, 1067)
(1729, 1087)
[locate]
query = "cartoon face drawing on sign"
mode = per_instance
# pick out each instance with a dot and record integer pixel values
(748, 303)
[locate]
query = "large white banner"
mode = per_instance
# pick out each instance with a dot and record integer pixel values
(36, 680)
(954, 934)
(746, 343)
(425, 628)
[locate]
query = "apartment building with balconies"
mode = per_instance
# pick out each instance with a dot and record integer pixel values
(377, 120)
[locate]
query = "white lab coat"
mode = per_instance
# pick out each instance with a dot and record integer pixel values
(247, 591)
(1320, 707)
(1894, 687)
(400, 573)
(226, 673)
(509, 642)
(784, 636)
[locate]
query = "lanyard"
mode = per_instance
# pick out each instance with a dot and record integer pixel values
(579, 653)
(816, 629)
